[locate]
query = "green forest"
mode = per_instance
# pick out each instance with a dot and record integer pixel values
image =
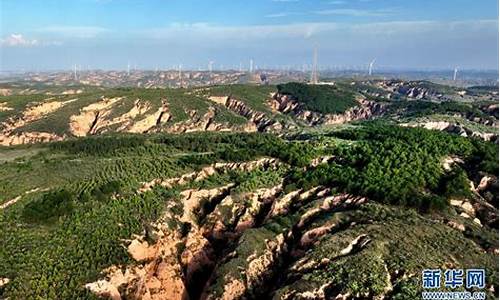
(320, 98)
(399, 165)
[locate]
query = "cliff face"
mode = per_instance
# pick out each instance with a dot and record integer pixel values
(410, 90)
(261, 120)
(284, 104)
(198, 110)
(364, 110)
(205, 122)
(36, 111)
(101, 117)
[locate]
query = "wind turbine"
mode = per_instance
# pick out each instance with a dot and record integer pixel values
(455, 72)
(370, 68)
(210, 66)
(314, 72)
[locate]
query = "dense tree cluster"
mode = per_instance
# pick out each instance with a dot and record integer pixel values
(397, 165)
(424, 108)
(49, 207)
(206, 147)
(320, 98)
(99, 145)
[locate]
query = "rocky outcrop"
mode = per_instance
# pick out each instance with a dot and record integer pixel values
(410, 89)
(262, 268)
(486, 182)
(91, 117)
(449, 162)
(9, 136)
(4, 282)
(165, 268)
(5, 92)
(364, 110)
(161, 116)
(208, 171)
(29, 138)
(478, 210)
(196, 122)
(99, 117)
(72, 92)
(456, 129)
(10, 202)
(235, 214)
(16, 199)
(94, 119)
(159, 278)
(260, 120)
(5, 107)
(491, 109)
(176, 256)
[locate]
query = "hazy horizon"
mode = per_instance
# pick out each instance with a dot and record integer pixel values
(109, 34)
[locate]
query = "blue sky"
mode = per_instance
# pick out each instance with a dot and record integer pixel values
(437, 34)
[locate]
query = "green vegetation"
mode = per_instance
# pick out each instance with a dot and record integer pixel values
(321, 98)
(455, 184)
(179, 102)
(454, 119)
(254, 96)
(19, 103)
(482, 89)
(51, 205)
(435, 87)
(419, 108)
(395, 165)
(225, 116)
(79, 224)
(78, 199)
(403, 243)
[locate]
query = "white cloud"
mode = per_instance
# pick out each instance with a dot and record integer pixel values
(337, 2)
(355, 12)
(400, 43)
(18, 40)
(83, 32)
(202, 31)
(281, 14)
(327, 34)
(277, 15)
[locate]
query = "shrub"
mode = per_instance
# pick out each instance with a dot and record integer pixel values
(51, 206)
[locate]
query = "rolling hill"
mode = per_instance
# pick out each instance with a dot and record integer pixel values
(244, 191)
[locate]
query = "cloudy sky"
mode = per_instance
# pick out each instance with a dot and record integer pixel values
(107, 34)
